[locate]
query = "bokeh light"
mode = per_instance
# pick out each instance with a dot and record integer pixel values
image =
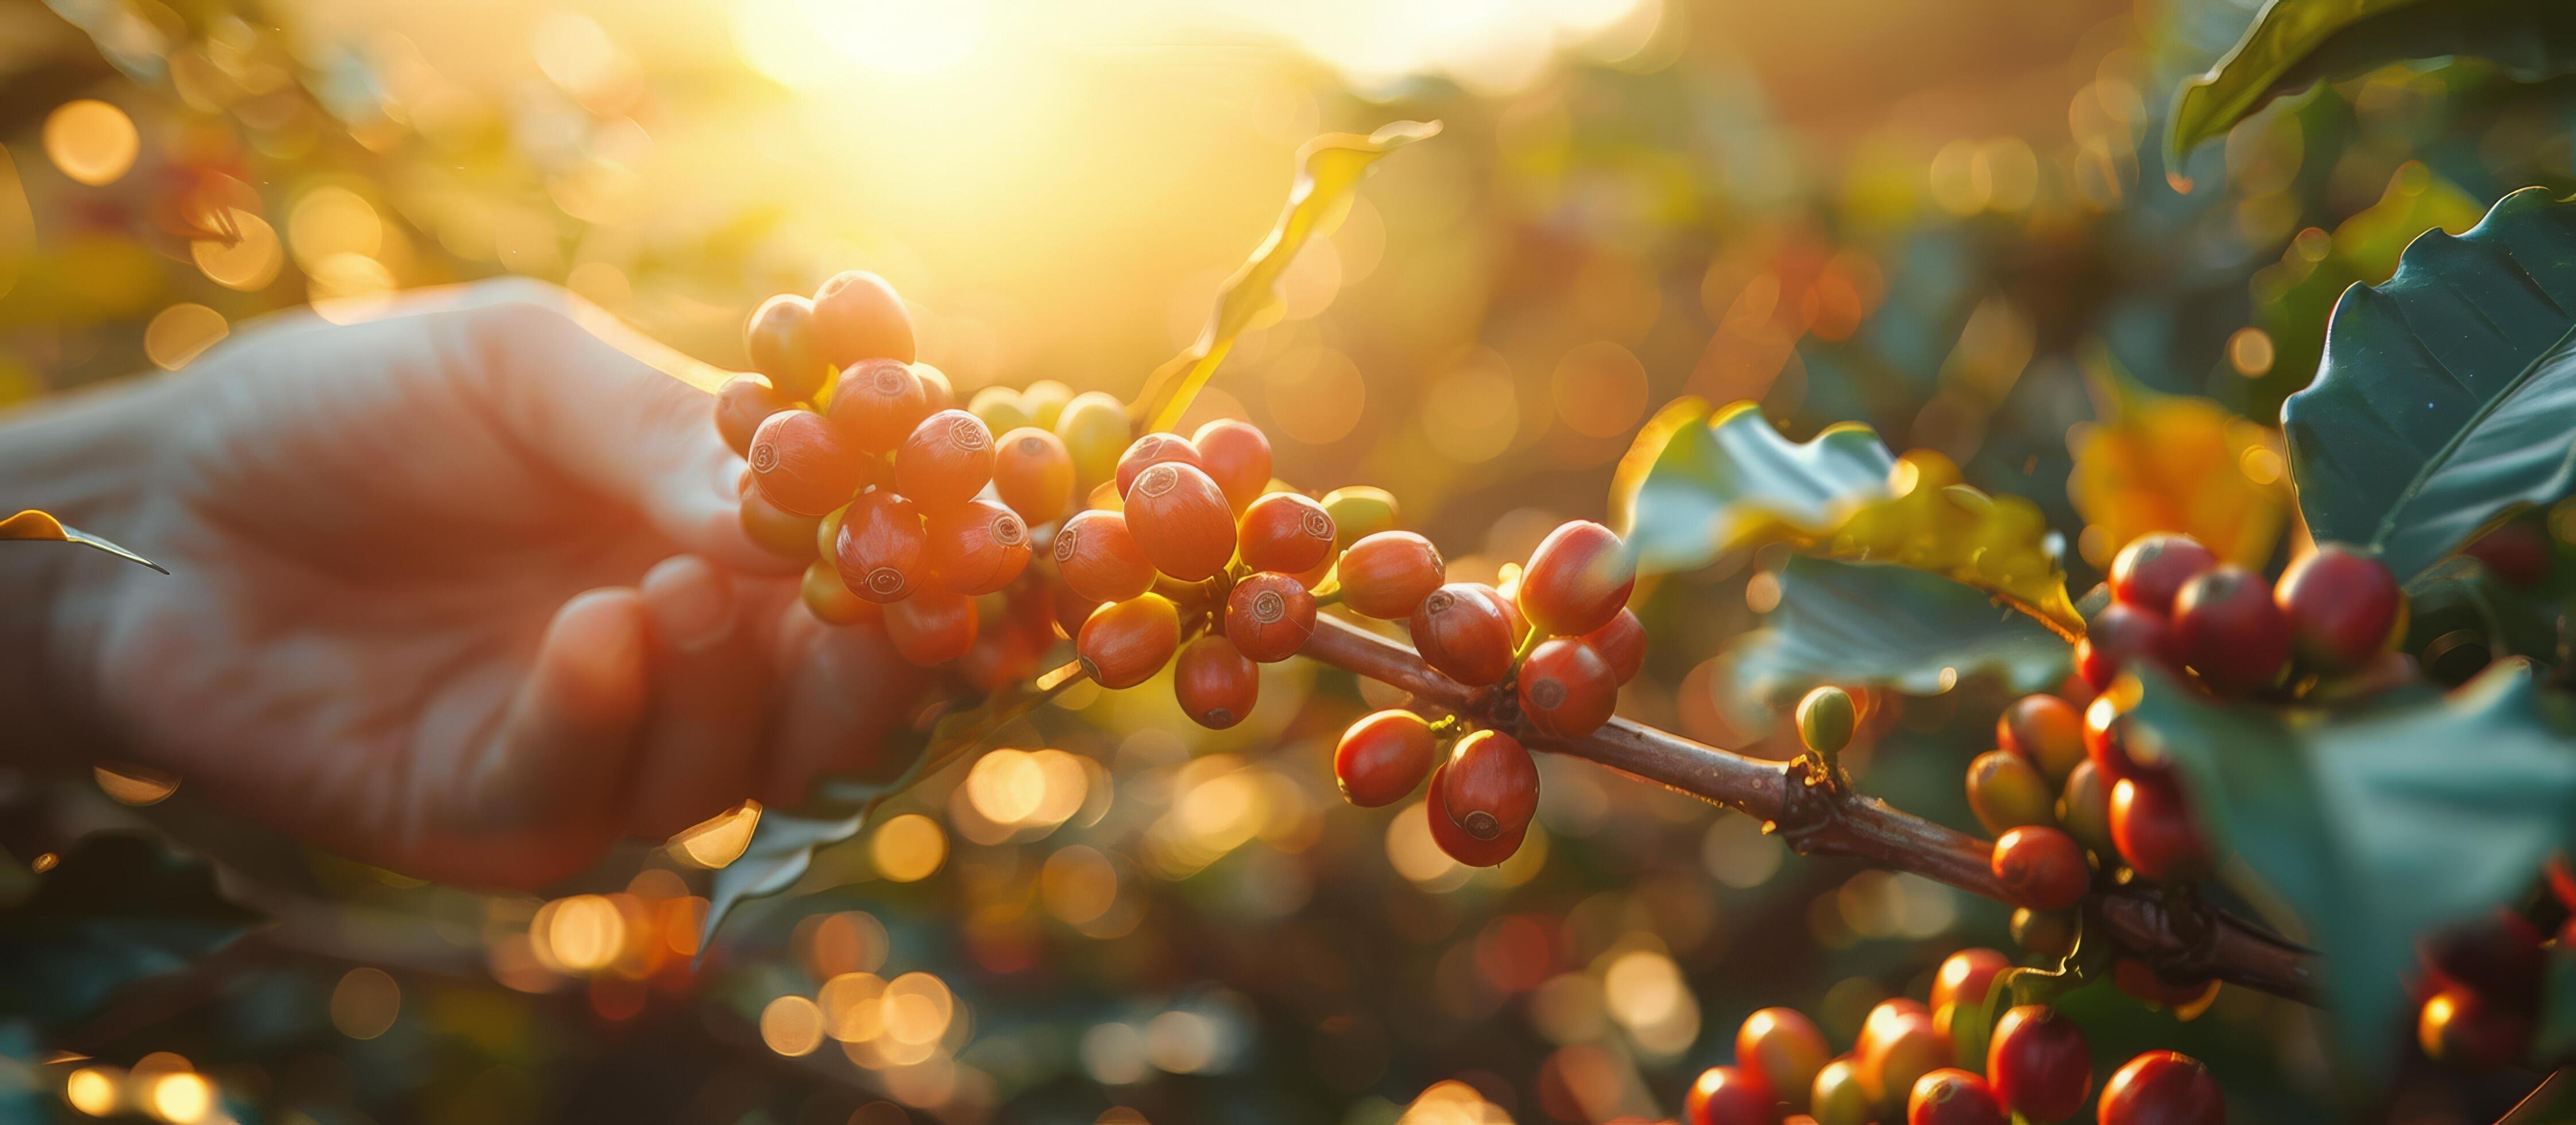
(91, 141)
(908, 848)
(365, 1003)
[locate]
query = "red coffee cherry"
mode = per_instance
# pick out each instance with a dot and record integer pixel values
(937, 393)
(1181, 522)
(2084, 807)
(1236, 455)
(2041, 868)
(830, 600)
(1577, 579)
(1154, 449)
(1285, 532)
(1965, 976)
(2151, 570)
(1123, 644)
(2106, 740)
(1490, 785)
(1215, 683)
(2517, 552)
(2162, 1088)
(1387, 574)
(1781, 1051)
(2122, 635)
(1566, 689)
(1621, 643)
(933, 626)
(2228, 630)
(2039, 1064)
(779, 338)
(946, 461)
(2045, 729)
(884, 549)
(1461, 632)
(1269, 616)
(1456, 841)
(742, 404)
(1898, 1044)
(2153, 827)
(978, 547)
(2459, 1027)
(1033, 474)
(1382, 757)
(802, 465)
(878, 403)
(1725, 1095)
(776, 530)
(2007, 792)
(1951, 1096)
(2496, 954)
(2344, 608)
(858, 317)
(1099, 559)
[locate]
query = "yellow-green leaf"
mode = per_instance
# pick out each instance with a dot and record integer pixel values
(41, 527)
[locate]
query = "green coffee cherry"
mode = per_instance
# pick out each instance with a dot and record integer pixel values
(2048, 933)
(1000, 408)
(1094, 429)
(1826, 718)
(1045, 401)
(1359, 512)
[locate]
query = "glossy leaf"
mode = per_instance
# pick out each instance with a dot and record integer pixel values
(2375, 827)
(2443, 400)
(116, 911)
(1329, 169)
(32, 526)
(1859, 625)
(1700, 482)
(2296, 44)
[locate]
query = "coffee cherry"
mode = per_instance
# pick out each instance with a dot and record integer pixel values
(1122, 644)
(779, 338)
(2344, 608)
(978, 547)
(878, 403)
(1215, 683)
(830, 600)
(1045, 401)
(2228, 630)
(2120, 636)
(2150, 572)
(2162, 1088)
(2039, 1063)
(1724, 1095)
(933, 626)
(2047, 933)
(742, 404)
(2517, 553)
(2496, 954)
(1093, 428)
(1951, 1096)
(1836, 1098)
(1387, 574)
(1269, 616)
(858, 317)
(2106, 740)
(1181, 521)
(937, 393)
(802, 465)
(884, 550)
(2045, 729)
(1099, 559)
(1898, 1044)
(2040, 868)
(1461, 632)
(1826, 719)
(1033, 474)
(1285, 532)
(998, 407)
(2462, 1028)
(776, 530)
(1455, 840)
(946, 461)
(1491, 785)
(1358, 512)
(1382, 757)
(2084, 807)
(1781, 1051)
(1566, 689)
(1236, 455)
(1577, 579)
(1154, 449)
(1965, 976)
(1621, 643)
(2153, 827)
(2006, 792)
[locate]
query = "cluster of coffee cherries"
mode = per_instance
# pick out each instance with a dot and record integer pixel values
(1552, 645)
(2037, 1068)
(2481, 982)
(2336, 612)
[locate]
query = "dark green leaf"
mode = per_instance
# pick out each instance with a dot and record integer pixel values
(117, 910)
(2373, 828)
(1699, 482)
(1860, 624)
(2445, 394)
(2556, 1038)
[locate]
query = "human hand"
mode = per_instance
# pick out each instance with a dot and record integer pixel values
(459, 591)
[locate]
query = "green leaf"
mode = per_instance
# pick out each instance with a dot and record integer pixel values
(117, 910)
(1859, 624)
(2375, 827)
(2296, 44)
(32, 526)
(2443, 400)
(1700, 482)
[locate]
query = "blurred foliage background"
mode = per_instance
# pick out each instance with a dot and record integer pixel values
(1949, 221)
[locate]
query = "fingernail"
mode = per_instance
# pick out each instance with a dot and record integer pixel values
(692, 604)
